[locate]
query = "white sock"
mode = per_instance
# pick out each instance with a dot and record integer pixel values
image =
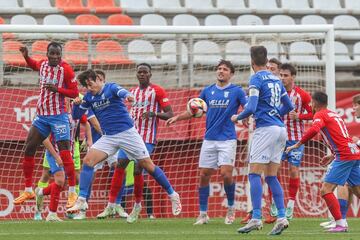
(173, 194)
(72, 189)
(137, 205)
(203, 212)
(40, 192)
(111, 204)
(82, 199)
(291, 203)
(50, 212)
(28, 189)
(341, 222)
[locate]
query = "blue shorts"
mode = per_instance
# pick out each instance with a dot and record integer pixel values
(54, 167)
(149, 146)
(59, 125)
(340, 172)
(294, 156)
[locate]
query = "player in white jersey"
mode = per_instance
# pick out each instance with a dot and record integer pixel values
(107, 103)
(268, 101)
(219, 146)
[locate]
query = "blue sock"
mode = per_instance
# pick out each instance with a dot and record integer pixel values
(89, 193)
(343, 207)
(161, 179)
(256, 194)
(86, 177)
(204, 193)
(121, 193)
(278, 194)
(230, 193)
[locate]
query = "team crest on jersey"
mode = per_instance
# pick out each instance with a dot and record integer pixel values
(212, 93)
(103, 96)
(226, 94)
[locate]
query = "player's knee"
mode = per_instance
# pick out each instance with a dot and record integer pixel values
(122, 163)
(325, 189)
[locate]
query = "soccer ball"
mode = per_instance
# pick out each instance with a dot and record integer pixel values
(196, 107)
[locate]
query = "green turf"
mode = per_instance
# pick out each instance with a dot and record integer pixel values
(169, 229)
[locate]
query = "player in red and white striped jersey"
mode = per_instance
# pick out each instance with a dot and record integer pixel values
(57, 81)
(346, 166)
(150, 105)
(294, 122)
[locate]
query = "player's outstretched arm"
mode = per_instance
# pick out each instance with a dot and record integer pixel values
(182, 116)
(166, 114)
(30, 62)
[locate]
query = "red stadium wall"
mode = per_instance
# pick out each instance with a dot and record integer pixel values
(17, 110)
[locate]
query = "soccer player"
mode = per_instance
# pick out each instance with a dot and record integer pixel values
(106, 101)
(345, 167)
(268, 101)
(219, 146)
(57, 81)
(294, 123)
(273, 66)
(150, 105)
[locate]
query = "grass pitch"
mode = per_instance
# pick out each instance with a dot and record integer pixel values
(167, 229)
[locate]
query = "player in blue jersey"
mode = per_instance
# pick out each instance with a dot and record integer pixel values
(268, 101)
(219, 147)
(106, 100)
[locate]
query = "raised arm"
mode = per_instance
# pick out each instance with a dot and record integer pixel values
(30, 62)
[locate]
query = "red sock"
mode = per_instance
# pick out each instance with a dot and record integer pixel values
(138, 187)
(270, 194)
(47, 190)
(69, 167)
(333, 205)
(294, 184)
(116, 183)
(54, 197)
(28, 169)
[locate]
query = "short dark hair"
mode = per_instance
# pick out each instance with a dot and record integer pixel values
(86, 75)
(320, 97)
(356, 99)
(276, 61)
(144, 64)
(228, 64)
(258, 55)
(288, 66)
(54, 44)
(100, 72)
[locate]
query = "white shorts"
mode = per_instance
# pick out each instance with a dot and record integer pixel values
(129, 141)
(217, 153)
(268, 144)
(110, 161)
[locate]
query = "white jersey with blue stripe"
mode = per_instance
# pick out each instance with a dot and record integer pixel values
(222, 104)
(109, 108)
(271, 90)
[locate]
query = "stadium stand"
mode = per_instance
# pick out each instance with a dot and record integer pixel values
(237, 52)
(24, 19)
(352, 6)
(313, 19)
(281, 20)
(6, 35)
(10, 7)
(264, 7)
(347, 27)
(303, 53)
(76, 52)
(56, 19)
(39, 49)
(185, 20)
(121, 19)
(153, 19)
(232, 6)
(168, 6)
(356, 53)
(249, 19)
(275, 50)
(328, 7)
(200, 6)
(103, 6)
(71, 6)
(342, 57)
(110, 52)
(142, 51)
(169, 53)
(136, 7)
(90, 19)
(11, 54)
(39, 7)
(296, 7)
(206, 53)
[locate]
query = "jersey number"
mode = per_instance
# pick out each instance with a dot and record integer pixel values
(275, 100)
